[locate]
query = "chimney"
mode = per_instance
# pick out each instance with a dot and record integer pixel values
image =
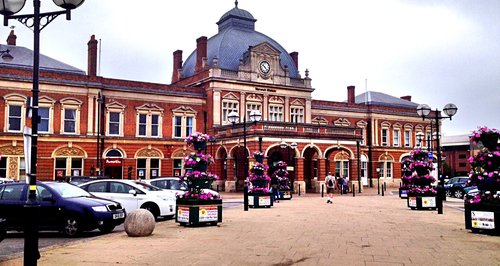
(295, 57)
(201, 53)
(177, 66)
(92, 57)
(11, 40)
(407, 98)
(350, 94)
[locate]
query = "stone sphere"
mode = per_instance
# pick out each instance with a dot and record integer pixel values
(139, 223)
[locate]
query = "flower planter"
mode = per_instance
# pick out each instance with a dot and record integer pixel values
(200, 145)
(403, 192)
(197, 212)
(199, 183)
(259, 183)
(422, 171)
(259, 158)
(489, 141)
(258, 171)
(260, 200)
(201, 166)
(285, 194)
(483, 217)
(422, 202)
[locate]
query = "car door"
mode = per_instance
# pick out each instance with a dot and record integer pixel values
(48, 206)
(12, 200)
(120, 192)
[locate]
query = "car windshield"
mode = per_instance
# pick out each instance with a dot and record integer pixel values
(177, 184)
(146, 186)
(68, 191)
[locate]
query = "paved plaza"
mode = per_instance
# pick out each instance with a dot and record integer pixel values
(364, 230)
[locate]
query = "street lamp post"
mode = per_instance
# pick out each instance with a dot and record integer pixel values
(234, 117)
(36, 22)
(424, 111)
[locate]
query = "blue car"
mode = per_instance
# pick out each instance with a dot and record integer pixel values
(63, 207)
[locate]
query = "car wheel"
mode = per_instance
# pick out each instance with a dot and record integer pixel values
(106, 228)
(448, 193)
(458, 194)
(71, 226)
(153, 209)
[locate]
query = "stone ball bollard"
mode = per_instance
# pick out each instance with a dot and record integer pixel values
(139, 223)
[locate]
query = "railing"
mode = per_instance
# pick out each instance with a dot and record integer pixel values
(291, 129)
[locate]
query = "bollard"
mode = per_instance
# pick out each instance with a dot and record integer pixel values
(400, 185)
(299, 190)
(385, 186)
(322, 189)
(217, 188)
(353, 191)
(378, 186)
(382, 190)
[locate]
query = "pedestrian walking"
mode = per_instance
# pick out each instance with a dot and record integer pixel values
(274, 187)
(330, 185)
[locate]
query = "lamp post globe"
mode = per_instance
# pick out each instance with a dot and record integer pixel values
(450, 110)
(293, 145)
(6, 56)
(283, 145)
(233, 117)
(68, 4)
(11, 7)
(423, 110)
(255, 116)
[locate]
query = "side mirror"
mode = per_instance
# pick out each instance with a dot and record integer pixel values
(133, 192)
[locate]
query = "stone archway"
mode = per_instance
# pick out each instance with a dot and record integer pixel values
(311, 169)
(239, 155)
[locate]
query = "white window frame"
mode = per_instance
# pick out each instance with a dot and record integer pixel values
(384, 138)
(297, 114)
(276, 112)
(17, 117)
(229, 106)
(396, 137)
(185, 113)
(70, 104)
(119, 122)
(386, 169)
(407, 138)
(149, 124)
(14, 100)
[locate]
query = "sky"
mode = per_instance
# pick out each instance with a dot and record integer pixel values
(437, 51)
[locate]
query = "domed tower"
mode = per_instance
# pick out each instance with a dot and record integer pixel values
(240, 48)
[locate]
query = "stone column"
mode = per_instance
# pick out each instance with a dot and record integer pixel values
(299, 176)
(230, 185)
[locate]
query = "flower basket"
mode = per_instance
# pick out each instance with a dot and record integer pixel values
(489, 140)
(421, 170)
(201, 166)
(200, 145)
(422, 202)
(259, 158)
(258, 171)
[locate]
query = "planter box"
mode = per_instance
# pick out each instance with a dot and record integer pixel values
(403, 193)
(483, 218)
(285, 194)
(418, 202)
(196, 212)
(261, 200)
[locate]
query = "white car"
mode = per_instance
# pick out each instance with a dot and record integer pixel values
(5, 180)
(132, 195)
(174, 184)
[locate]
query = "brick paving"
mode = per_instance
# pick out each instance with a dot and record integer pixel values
(364, 230)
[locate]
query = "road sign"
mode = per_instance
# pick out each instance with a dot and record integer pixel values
(431, 156)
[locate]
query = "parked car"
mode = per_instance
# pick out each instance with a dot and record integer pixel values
(3, 230)
(455, 186)
(5, 180)
(63, 207)
(133, 194)
(77, 180)
(173, 184)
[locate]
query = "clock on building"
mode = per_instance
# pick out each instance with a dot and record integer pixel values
(265, 67)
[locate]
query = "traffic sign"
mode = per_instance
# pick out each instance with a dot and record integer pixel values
(431, 156)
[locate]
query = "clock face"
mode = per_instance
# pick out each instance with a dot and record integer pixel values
(265, 67)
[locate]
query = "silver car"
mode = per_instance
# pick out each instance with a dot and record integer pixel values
(132, 195)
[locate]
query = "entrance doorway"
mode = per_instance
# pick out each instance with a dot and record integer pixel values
(113, 164)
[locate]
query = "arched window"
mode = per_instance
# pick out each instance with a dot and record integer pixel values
(342, 164)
